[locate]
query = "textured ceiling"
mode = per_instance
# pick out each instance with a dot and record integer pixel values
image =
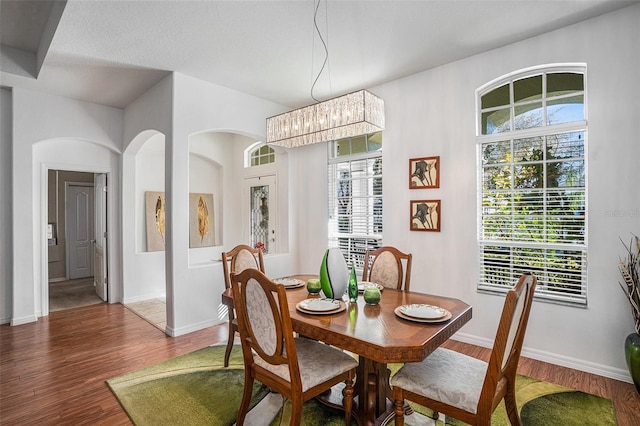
(110, 52)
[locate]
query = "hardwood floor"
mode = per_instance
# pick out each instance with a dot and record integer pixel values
(53, 371)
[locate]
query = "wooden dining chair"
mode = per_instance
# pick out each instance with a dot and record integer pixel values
(296, 367)
(384, 266)
(464, 387)
(238, 259)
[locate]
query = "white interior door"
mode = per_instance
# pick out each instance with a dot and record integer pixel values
(80, 230)
(261, 203)
(101, 239)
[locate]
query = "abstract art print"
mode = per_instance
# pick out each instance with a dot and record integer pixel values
(155, 209)
(424, 172)
(201, 226)
(425, 215)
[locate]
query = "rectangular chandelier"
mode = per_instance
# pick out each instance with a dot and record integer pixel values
(354, 114)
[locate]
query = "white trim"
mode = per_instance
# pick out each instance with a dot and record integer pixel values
(579, 67)
(43, 259)
(180, 331)
(552, 358)
(24, 320)
(143, 297)
(248, 152)
(574, 126)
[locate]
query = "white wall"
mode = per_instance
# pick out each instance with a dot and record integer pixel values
(147, 122)
(210, 160)
(203, 107)
(96, 132)
(144, 271)
(201, 123)
(149, 176)
(6, 234)
(433, 113)
(309, 204)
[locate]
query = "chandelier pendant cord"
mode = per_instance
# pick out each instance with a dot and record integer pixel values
(354, 114)
(326, 50)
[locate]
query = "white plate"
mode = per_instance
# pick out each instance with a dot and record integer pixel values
(342, 307)
(362, 284)
(429, 312)
(445, 318)
(289, 282)
(319, 305)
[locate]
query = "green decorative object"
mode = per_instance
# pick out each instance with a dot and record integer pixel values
(632, 355)
(334, 275)
(313, 286)
(353, 285)
(353, 316)
(630, 270)
(371, 294)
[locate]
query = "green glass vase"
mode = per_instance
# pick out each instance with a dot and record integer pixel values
(632, 355)
(334, 275)
(353, 285)
(371, 294)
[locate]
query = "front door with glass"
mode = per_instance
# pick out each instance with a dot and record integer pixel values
(261, 195)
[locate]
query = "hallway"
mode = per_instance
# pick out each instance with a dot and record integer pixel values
(72, 294)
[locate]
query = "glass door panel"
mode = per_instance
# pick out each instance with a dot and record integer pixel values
(262, 215)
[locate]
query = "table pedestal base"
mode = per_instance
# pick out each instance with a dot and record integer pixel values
(372, 402)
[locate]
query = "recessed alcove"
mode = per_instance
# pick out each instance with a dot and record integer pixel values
(149, 177)
(208, 151)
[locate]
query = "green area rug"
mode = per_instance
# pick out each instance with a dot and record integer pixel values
(195, 389)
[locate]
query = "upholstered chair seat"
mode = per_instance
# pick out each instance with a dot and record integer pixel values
(318, 363)
(447, 376)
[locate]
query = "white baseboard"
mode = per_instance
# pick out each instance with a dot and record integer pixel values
(175, 332)
(24, 320)
(551, 358)
(142, 298)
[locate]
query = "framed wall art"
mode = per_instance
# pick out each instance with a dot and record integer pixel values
(154, 206)
(201, 229)
(424, 172)
(425, 215)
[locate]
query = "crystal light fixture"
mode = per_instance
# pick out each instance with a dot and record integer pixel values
(354, 114)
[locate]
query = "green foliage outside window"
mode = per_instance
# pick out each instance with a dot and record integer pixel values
(533, 188)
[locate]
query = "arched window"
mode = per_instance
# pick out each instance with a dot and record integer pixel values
(261, 154)
(532, 182)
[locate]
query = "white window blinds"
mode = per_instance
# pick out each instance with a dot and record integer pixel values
(355, 199)
(532, 186)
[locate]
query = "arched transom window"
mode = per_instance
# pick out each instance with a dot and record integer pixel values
(263, 154)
